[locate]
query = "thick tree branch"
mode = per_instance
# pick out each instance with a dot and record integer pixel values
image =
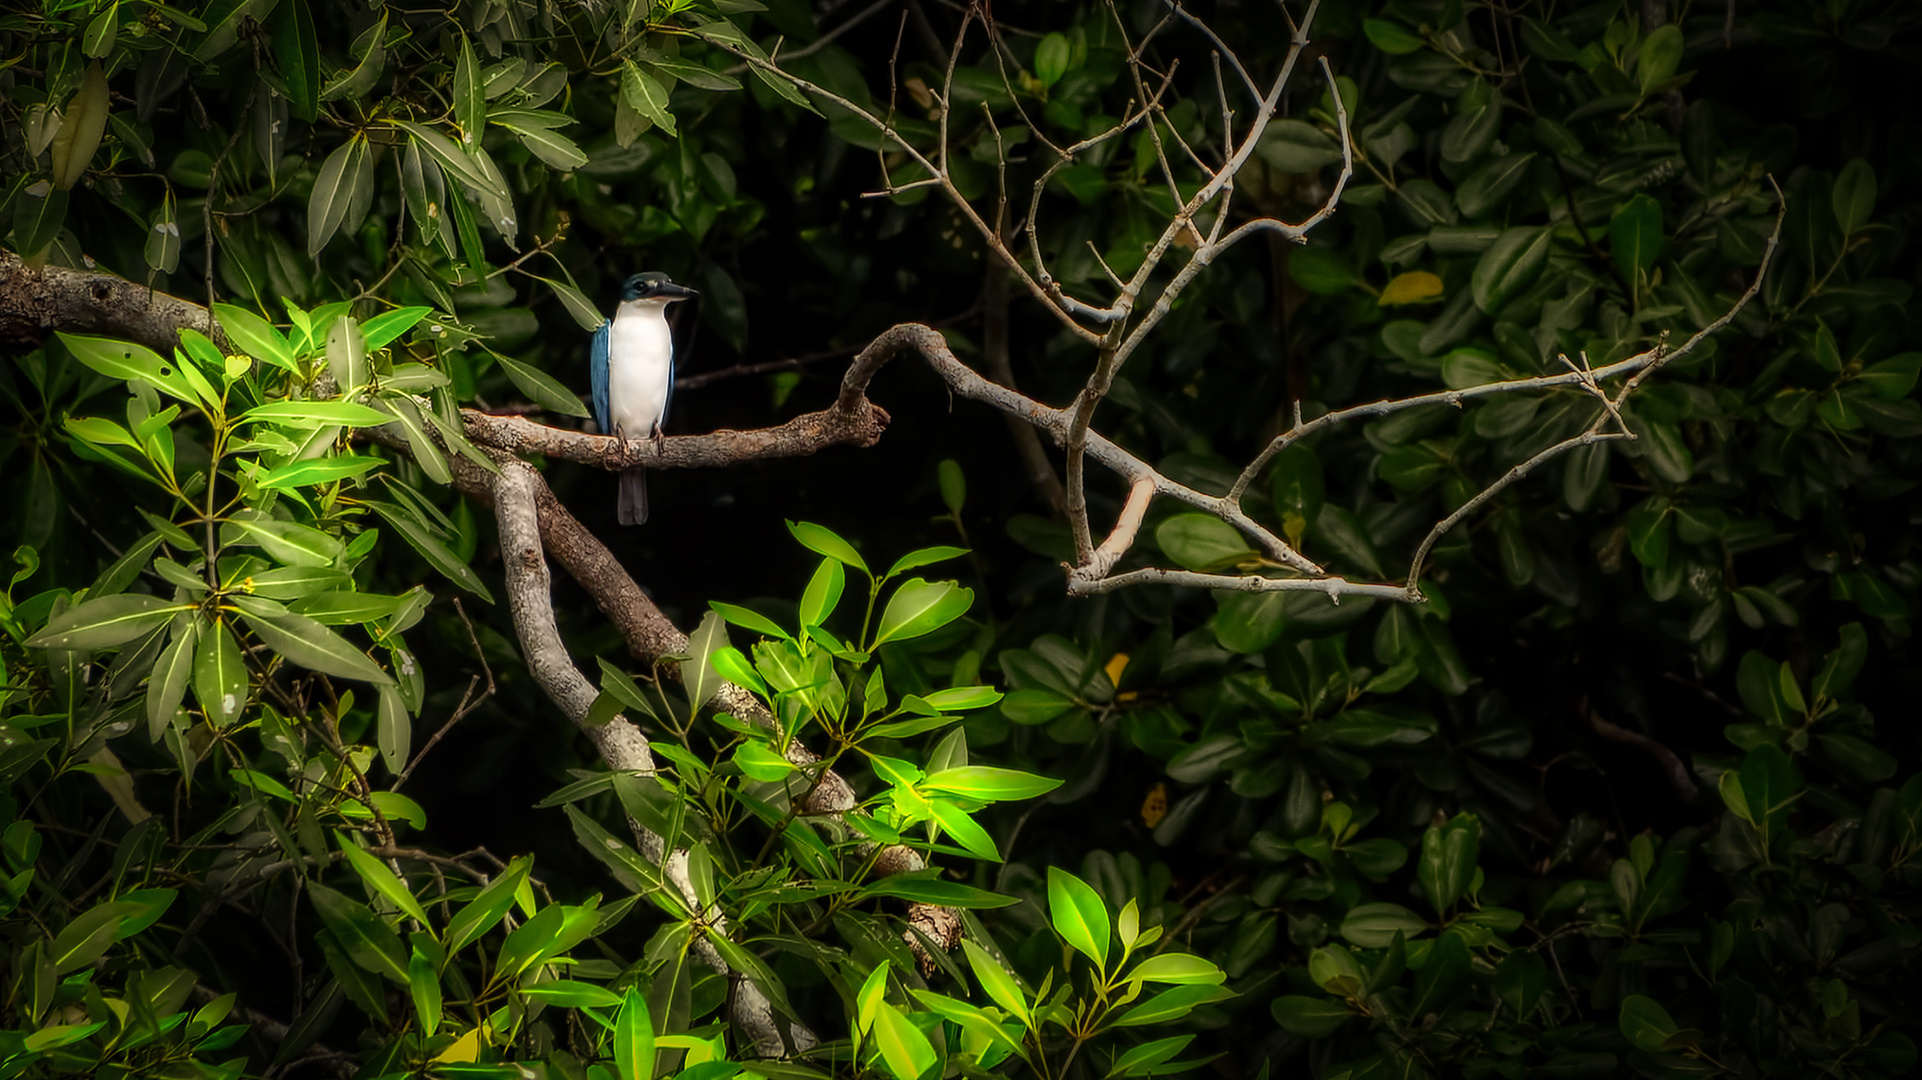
(35, 303)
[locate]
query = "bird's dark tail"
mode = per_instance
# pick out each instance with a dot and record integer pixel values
(633, 508)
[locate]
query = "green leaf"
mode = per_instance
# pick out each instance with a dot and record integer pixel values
(126, 360)
(423, 446)
(316, 414)
(106, 622)
(1248, 622)
(171, 673)
(1510, 265)
(162, 251)
(394, 733)
(101, 32)
(1646, 1023)
(347, 354)
(1770, 785)
(1840, 667)
(367, 940)
(1391, 37)
(1141, 1060)
(1635, 237)
(695, 75)
(1448, 860)
(1661, 54)
(1297, 147)
(749, 619)
(823, 542)
(921, 607)
(574, 995)
(333, 192)
(1079, 915)
(1487, 187)
(455, 163)
(954, 485)
(758, 762)
(80, 131)
(934, 890)
(923, 557)
(965, 830)
(438, 555)
(646, 96)
(307, 643)
(1520, 981)
(1177, 968)
(1310, 1018)
(38, 216)
(313, 471)
(823, 593)
(696, 674)
(379, 879)
(220, 676)
(541, 388)
(1853, 198)
(1051, 59)
(484, 911)
(1374, 926)
(255, 336)
(1173, 1004)
(423, 985)
(297, 53)
(1201, 542)
(470, 95)
(1320, 270)
(960, 698)
(1893, 378)
(88, 936)
(385, 327)
(988, 783)
(995, 980)
(1477, 120)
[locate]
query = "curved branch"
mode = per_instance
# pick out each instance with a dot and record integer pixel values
(620, 743)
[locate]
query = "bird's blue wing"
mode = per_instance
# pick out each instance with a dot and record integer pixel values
(597, 378)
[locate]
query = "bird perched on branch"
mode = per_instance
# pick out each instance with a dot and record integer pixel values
(632, 370)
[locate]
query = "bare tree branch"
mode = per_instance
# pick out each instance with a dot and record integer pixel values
(36, 302)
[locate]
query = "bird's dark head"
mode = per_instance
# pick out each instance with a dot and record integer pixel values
(653, 286)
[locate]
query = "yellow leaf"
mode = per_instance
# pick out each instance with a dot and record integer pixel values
(464, 1051)
(1116, 665)
(1411, 288)
(1155, 806)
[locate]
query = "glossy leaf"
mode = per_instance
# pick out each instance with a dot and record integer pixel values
(921, 607)
(307, 643)
(1078, 915)
(106, 622)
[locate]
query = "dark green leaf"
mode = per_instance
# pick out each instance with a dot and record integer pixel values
(307, 643)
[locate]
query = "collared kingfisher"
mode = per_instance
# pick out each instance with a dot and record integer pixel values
(632, 370)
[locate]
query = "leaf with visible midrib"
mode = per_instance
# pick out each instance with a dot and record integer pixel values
(105, 622)
(309, 644)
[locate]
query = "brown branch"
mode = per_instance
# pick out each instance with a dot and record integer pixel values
(859, 424)
(1672, 766)
(35, 303)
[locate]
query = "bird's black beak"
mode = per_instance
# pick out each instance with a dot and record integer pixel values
(669, 291)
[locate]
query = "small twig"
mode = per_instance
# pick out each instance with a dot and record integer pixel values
(469, 701)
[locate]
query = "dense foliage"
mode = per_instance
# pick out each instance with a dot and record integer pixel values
(1630, 794)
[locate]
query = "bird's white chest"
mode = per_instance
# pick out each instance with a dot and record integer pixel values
(640, 366)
